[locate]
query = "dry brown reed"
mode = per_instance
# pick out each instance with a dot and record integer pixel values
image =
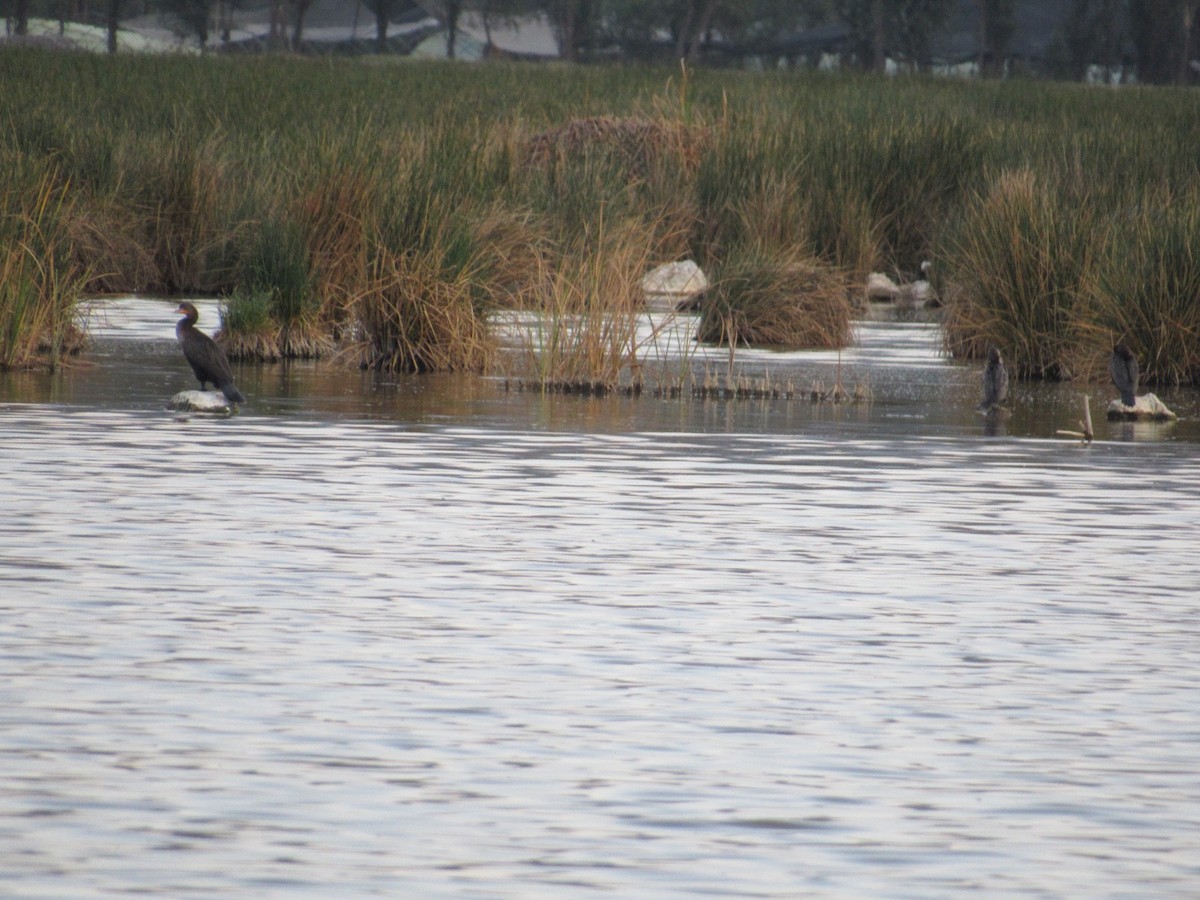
(41, 278)
(516, 255)
(413, 318)
(776, 298)
(589, 306)
(1019, 255)
(187, 205)
(1145, 291)
(639, 143)
(332, 214)
(111, 243)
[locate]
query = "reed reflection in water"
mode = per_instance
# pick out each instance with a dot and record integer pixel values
(266, 657)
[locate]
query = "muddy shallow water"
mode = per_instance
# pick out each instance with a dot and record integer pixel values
(427, 637)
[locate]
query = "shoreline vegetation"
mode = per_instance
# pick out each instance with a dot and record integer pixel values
(383, 212)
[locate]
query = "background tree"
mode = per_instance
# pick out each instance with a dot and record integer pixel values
(997, 25)
(915, 22)
(448, 12)
(493, 13)
(758, 24)
(21, 14)
(195, 16)
(572, 23)
(637, 27)
(1161, 31)
(112, 18)
(693, 26)
(383, 10)
(901, 29)
(300, 9)
(1094, 34)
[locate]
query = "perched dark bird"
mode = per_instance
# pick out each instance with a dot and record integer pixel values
(1123, 366)
(204, 356)
(995, 381)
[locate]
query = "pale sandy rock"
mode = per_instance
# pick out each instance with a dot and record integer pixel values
(1147, 406)
(200, 401)
(673, 284)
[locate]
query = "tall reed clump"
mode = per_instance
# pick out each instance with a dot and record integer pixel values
(184, 194)
(334, 213)
(619, 166)
(423, 303)
(589, 308)
(274, 277)
(613, 198)
(415, 316)
(41, 279)
(776, 297)
(748, 163)
(1016, 260)
(1145, 291)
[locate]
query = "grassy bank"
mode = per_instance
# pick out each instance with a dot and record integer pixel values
(389, 208)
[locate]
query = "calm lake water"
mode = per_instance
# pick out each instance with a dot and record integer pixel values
(425, 637)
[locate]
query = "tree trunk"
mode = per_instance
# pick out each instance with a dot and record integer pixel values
(1160, 42)
(566, 27)
(113, 14)
(685, 31)
(996, 29)
(453, 11)
(22, 17)
(300, 11)
(381, 29)
(701, 31)
(878, 47)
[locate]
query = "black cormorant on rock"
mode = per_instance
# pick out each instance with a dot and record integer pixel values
(1123, 366)
(995, 381)
(204, 356)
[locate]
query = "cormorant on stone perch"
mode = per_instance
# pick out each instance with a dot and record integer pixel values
(207, 359)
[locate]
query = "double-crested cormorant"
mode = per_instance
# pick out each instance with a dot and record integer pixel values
(1123, 366)
(995, 381)
(204, 356)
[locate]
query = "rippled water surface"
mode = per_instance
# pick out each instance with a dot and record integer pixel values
(433, 639)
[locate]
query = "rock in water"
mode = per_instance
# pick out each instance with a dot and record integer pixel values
(201, 401)
(673, 285)
(1146, 408)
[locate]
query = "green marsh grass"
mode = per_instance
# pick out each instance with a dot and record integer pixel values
(1146, 291)
(248, 326)
(41, 281)
(1018, 259)
(276, 266)
(427, 195)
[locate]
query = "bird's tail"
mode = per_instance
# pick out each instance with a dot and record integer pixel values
(232, 394)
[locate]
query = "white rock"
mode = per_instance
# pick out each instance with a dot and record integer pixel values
(673, 283)
(880, 287)
(200, 401)
(1147, 406)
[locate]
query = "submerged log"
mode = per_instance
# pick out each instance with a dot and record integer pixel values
(1147, 408)
(200, 401)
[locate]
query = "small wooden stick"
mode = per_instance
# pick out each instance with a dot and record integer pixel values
(1086, 424)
